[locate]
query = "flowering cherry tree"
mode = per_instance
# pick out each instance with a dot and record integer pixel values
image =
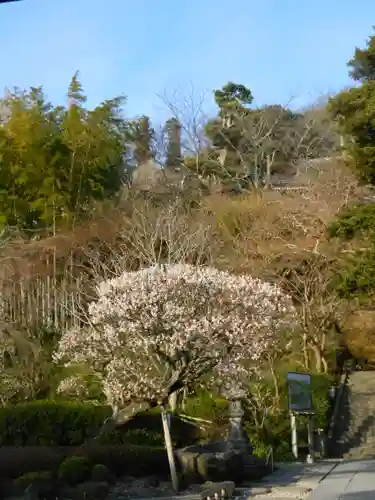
(154, 331)
(157, 330)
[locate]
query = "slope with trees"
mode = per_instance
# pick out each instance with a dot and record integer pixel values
(354, 111)
(76, 320)
(249, 144)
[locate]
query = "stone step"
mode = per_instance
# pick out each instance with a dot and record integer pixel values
(360, 454)
(365, 445)
(252, 491)
(360, 451)
(290, 491)
(360, 405)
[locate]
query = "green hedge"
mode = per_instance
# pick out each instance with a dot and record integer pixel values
(64, 423)
(130, 460)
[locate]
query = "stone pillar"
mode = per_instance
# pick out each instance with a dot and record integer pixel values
(237, 437)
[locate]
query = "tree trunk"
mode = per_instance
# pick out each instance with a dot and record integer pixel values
(275, 380)
(269, 162)
(173, 400)
(120, 418)
(325, 364)
(305, 352)
(169, 447)
(268, 173)
(184, 398)
(320, 361)
(256, 176)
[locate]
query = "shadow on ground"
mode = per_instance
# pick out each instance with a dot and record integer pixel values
(355, 440)
(368, 466)
(359, 495)
(342, 423)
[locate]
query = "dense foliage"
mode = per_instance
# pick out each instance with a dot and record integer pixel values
(259, 140)
(353, 109)
(275, 429)
(356, 277)
(56, 161)
(67, 423)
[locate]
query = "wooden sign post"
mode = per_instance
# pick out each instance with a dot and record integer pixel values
(300, 403)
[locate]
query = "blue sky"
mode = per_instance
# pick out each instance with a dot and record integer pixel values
(281, 49)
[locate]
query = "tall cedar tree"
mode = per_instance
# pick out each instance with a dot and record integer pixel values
(173, 134)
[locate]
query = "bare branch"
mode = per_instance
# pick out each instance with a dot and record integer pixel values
(188, 110)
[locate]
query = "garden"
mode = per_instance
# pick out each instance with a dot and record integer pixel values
(152, 376)
(147, 328)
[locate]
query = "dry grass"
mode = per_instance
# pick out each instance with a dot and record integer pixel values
(257, 233)
(241, 229)
(360, 334)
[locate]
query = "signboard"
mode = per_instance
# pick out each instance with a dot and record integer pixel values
(299, 391)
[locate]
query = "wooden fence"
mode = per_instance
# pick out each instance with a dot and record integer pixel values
(42, 302)
(53, 295)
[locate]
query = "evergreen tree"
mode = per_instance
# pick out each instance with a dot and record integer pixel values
(233, 98)
(353, 110)
(142, 137)
(362, 65)
(173, 134)
(55, 161)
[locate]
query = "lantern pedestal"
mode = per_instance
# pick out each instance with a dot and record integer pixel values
(237, 437)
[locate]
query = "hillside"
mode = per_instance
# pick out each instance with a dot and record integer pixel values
(269, 234)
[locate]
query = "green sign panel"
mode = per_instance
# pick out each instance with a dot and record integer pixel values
(299, 391)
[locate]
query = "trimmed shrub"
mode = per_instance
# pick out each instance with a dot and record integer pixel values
(50, 423)
(64, 423)
(100, 473)
(141, 437)
(22, 482)
(16, 461)
(74, 470)
(136, 461)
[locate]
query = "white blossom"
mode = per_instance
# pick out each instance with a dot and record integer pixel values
(74, 385)
(164, 324)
